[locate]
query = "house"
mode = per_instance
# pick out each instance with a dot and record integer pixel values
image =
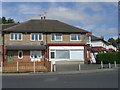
(44, 39)
(1, 44)
(99, 45)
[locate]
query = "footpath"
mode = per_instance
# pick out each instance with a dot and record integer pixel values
(59, 73)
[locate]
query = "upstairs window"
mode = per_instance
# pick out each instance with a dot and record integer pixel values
(75, 37)
(56, 37)
(36, 36)
(15, 36)
(88, 38)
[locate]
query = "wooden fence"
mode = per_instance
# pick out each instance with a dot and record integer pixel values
(26, 66)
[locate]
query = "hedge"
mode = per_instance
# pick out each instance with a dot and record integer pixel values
(109, 57)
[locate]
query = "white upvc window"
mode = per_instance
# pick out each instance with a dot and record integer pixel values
(59, 54)
(75, 37)
(56, 37)
(88, 38)
(52, 54)
(36, 37)
(16, 36)
(20, 54)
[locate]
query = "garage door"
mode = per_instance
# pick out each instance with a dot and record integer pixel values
(77, 55)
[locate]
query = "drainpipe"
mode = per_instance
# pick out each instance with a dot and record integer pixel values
(46, 46)
(3, 45)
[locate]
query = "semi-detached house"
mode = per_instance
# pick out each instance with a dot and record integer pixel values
(45, 39)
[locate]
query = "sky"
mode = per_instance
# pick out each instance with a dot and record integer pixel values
(101, 18)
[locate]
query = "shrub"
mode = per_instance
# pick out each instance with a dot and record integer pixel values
(109, 57)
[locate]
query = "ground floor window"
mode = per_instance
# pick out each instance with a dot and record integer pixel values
(35, 55)
(20, 54)
(76, 55)
(62, 54)
(67, 54)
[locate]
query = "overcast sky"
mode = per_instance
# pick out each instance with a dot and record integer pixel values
(99, 17)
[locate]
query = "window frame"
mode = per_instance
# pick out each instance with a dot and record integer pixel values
(18, 55)
(55, 37)
(54, 54)
(34, 52)
(77, 37)
(17, 37)
(37, 37)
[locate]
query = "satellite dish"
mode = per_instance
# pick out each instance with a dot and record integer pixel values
(41, 43)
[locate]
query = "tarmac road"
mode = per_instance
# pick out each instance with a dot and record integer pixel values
(108, 79)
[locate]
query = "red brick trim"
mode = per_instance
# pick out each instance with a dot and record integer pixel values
(65, 44)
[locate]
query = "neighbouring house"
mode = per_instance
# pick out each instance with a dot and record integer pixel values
(99, 45)
(111, 48)
(43, 39)
(2, 27)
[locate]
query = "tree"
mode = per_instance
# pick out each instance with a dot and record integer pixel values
(4, 21)
(113, 42)
(10, 20)
(0, 20)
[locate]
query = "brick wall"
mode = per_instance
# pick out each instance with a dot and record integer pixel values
(26, 55)
(26, 39)
(1, 55)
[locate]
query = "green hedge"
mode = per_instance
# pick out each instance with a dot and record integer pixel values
(108, 57)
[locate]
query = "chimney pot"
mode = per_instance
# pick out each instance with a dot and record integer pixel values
(44, 17)
(41, 17)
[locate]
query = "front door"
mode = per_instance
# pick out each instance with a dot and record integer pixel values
(10, 56)
(35, 55)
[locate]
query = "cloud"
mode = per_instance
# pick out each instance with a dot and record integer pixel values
(0, 8)
(60, 0)
(29, 9)
(106, 31)
(115, 37)
(93, 6)
(66, 14)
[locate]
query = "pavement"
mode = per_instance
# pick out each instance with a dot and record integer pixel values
(59, 73)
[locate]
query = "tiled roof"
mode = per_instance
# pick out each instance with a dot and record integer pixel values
(94, 38)
(98, 49)
(25, 47)
(5, 26)
(44, 26)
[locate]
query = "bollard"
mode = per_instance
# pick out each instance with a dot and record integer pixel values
(51, 67)
(17, 66)
(54, 67)
(115, 64)
(101, 65)
(34, 66)
(109, 65)
(79, 67)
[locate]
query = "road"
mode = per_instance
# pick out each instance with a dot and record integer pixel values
(107, 79)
